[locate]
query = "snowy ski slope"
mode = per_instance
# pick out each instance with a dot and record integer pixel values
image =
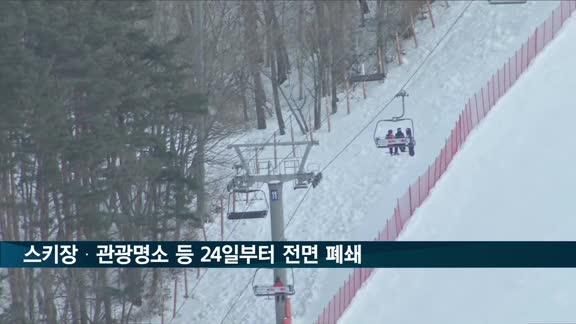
(360, 186)
(509, 181)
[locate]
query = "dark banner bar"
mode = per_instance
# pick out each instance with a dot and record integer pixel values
(305, 254)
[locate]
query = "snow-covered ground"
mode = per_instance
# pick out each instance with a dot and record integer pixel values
(509, 181)
(361, 185)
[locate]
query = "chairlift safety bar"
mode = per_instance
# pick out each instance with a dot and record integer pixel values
(384, 142)
(273, 290)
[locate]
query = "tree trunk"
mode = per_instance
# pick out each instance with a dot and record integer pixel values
(321, 40)
(242, 82)
(363, 10)
(128, 229)
(271, 34)
(282, 59)
(318, 93)
(31, 290)
(277, 108)
(202, 197)
(46, 274)
(72, 296)
(336, 53)
(99, 295)
(300, 51)
(253, 52)
(107, 298)
(82, 296)
(7, 220)
(380, 31)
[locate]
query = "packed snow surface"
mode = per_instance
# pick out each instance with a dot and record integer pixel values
(513, 179)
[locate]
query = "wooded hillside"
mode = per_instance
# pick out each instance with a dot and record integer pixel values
(110, 113)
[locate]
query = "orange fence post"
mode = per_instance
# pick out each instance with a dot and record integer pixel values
(477, 111)
(536, 42)
(493, 92)
(410, 200)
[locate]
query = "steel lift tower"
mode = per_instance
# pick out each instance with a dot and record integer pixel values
(285, 170)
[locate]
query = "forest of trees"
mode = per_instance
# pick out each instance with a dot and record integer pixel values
(111, 111)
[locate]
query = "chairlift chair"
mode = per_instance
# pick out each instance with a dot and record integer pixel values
(409, 141)
(300, 184)
(273, 290)
(305, 183)
(366, 77)
(250, 211)
(382, 142)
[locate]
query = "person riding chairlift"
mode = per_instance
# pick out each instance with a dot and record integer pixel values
(278, 283)
(390, 135)
(402, 147)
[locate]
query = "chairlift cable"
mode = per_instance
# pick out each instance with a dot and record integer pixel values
(236, 301)
(335, 157)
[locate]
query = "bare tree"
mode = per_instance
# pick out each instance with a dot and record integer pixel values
(282, 59)
(252, 52)
(300, 31)
(275, 56)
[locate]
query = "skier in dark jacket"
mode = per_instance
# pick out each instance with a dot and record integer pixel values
(390, 135)
(402, 147)
(410, 141)
(408, 133)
